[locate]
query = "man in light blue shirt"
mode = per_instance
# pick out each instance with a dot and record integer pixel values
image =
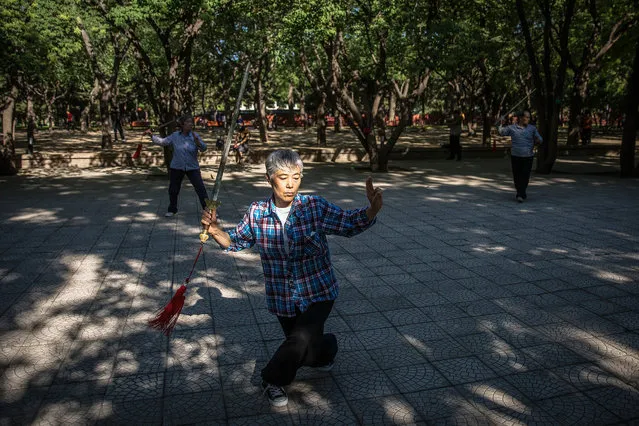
(524, 137)
(185, 144)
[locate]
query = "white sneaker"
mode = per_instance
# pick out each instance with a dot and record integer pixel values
(169, 214)
(520, 199)
(275, 394)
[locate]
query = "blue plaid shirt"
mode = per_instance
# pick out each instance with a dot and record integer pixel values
(304, 275)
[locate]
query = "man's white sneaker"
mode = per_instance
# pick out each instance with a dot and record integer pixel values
(520, 199)
(275, 394)
(169, 214)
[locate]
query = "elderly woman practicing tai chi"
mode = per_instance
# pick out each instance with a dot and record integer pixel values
(290, 231)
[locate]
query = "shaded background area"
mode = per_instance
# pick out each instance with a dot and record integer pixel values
(459, 306)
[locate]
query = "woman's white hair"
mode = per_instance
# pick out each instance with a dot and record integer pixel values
(283, 159)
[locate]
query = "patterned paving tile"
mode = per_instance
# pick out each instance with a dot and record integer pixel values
(502, 403)
(417, 377)
(365, 385)
(622, 401)
(553, 355)
(427, 298)
(401, 317)
(194, 407)
(422, 332)
(337, 414)
(441, 403)
(481, 343)
(629, 320)
(353, 362)
(392, 409)
(460, 326)
(509, 360)
(540, 384)
(367, 321)
(464, 370)
(625, 367)
(587, 376)
(396, 356)
(578, 409)
(379, 338)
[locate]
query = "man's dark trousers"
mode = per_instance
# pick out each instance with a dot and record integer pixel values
(455, 147)
(175, 182)
(522, 166)
(305, 344)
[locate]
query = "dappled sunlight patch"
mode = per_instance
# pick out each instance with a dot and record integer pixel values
(440, 199)
(494, 396)
(36, 216)
(145, 216)
(228, 292)
(491, 249)
(613, 277)
(418, 344)
(121, 219)
(562, 180)
(398, 410)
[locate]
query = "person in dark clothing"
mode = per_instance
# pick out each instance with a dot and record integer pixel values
(455, 125)
(524, 137)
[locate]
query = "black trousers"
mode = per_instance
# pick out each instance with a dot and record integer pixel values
(455, 147)
(175, 183)
(305, 344)
(522, 166)
(117, 128)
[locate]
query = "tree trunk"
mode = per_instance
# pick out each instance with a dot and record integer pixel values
(106, 94)
(577, 100)
(291, 105)
(7, 162)
(485, 135)
(8, 136)
(337, 127)
(50, 118)
(392, 105)
(260, 105)
(549, 131)
(31, 124)
(86, 112)
(629, 138)
(321, 121)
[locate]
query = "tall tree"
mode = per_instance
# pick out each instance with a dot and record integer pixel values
(605, 23)
(105, 78)
(554, 19)
(629, 137)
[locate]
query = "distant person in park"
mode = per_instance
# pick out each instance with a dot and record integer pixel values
(524, 137)
(142, 115)
(185, 144)
(586, 128)
(455, 125)
(241, 144)
(289, 230)
(116, 116)
(69, 120)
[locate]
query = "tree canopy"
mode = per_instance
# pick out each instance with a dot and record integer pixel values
(375, 63)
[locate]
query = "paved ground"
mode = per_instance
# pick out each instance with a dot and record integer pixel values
(459, 306)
